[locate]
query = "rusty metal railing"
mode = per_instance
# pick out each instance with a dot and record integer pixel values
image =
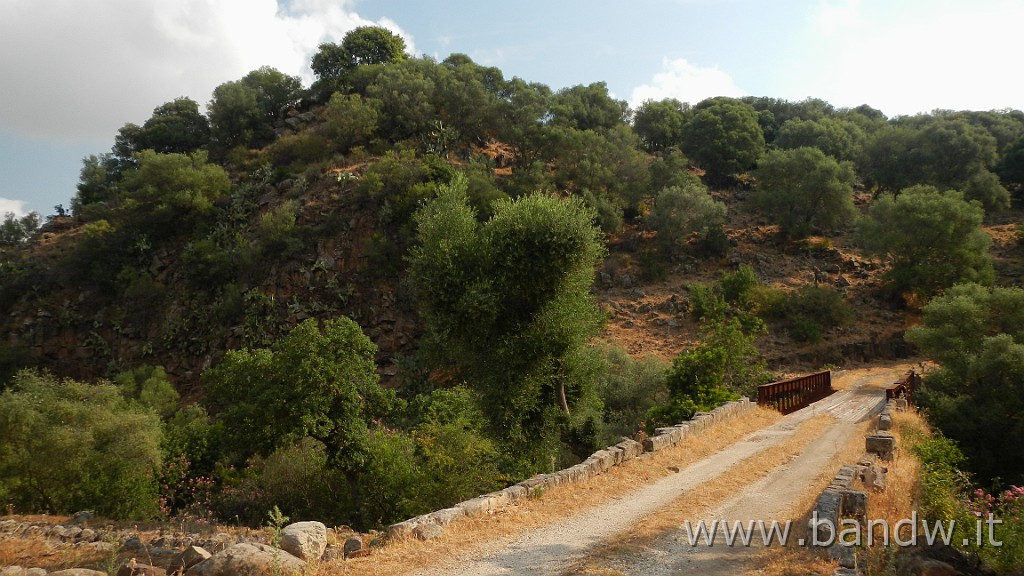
(790, 395)
(904, 388)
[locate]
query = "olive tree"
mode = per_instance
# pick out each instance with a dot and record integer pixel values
(803, 189)
(930, 239)
(508, 303)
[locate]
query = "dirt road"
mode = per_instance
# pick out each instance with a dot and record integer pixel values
(557, 548)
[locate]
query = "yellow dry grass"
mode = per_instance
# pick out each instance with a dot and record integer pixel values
(463, 536)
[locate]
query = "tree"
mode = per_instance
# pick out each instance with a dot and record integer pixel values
(176, 126)
(14, 230)
(587, 108)
(723, 137)
(276, 92)
(67, 446)
(840, 139)
(803, 189)
(722, 366)
(508, 302)
(406, 95)
(319, 381)
(660, 124)
(1011, 166)
(679, 211)
(237, 118)
(168, 192)
(930, 239)
(362, 46)
(976, 335)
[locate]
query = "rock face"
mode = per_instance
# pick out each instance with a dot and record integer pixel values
(305, 540)
(248, 560)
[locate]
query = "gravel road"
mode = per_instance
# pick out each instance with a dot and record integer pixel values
(553, 549)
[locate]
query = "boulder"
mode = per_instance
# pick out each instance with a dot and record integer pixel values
(305, 540)
(352, 545)
(248, 560)
(188, 558)
(78, 572)
(881, 443)
(428, 531)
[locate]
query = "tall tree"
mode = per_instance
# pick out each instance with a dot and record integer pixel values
(803, 189)
(362, 46)
(509, 303)
(723, 137)
(975, 396)
(930, 239)
(660, 124)
(587, 108)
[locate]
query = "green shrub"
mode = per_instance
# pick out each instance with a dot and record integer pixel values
(738, 285)
(706, 303)
(67, 446)
(296, 478)
(628, 390)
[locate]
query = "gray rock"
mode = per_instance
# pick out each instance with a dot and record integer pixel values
(82, 517)
(332, 554)
(881, 443)
(78, 572)
(428, 531)
(353, 544)
(249, 560)
(305, 540)
(188, 558)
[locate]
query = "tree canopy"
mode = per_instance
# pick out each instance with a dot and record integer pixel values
(510, 301)
(976, 334)
(723, 137)
(803, 189)
(930, 239)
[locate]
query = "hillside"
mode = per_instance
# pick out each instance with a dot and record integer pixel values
(417, 281)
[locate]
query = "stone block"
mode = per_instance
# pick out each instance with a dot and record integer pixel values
(881, 443)
(884, 422)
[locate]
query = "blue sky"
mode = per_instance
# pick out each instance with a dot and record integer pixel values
(74, 71)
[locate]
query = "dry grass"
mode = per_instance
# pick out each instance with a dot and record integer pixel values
(43, 553)
(462, 538)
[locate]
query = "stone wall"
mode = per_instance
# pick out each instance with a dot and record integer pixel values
(432, 525)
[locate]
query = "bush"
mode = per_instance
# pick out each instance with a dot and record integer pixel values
(724, 365)
(680, 211)
(296, 478)
(68, 446)
(805, 312)
(628, 390)
(738, 285)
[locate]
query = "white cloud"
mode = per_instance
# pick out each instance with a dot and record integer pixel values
(685, 82)
(83, 68)
(832, 18)
(953, 57)
(16, 206)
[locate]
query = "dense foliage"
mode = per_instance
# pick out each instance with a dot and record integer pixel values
(930, 239)
(456, 218)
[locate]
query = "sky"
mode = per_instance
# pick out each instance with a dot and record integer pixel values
(72, 72)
